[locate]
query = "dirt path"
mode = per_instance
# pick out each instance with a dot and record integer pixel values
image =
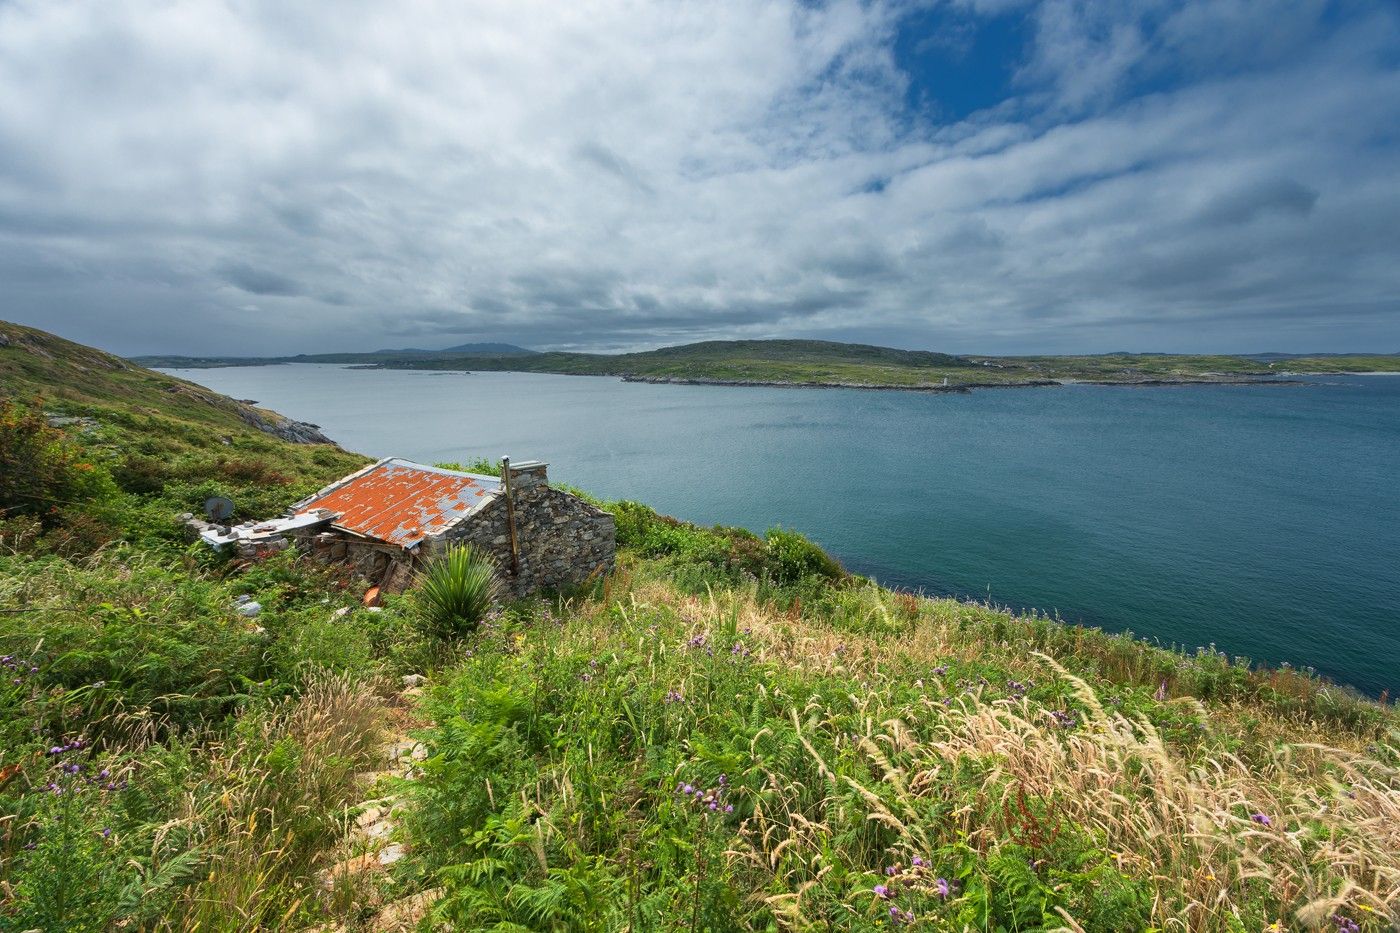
(359, 881)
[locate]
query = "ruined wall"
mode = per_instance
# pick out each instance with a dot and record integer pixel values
(388, 567)
(563, 540)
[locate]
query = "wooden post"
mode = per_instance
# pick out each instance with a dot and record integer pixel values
(510, 517)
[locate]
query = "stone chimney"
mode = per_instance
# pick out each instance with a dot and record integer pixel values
(528, 473)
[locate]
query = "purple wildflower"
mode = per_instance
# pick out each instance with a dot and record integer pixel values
(1262, 819)
(916, 862)
(940, 887)
(882, 892)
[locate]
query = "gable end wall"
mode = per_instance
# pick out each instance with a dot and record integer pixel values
(563, 539)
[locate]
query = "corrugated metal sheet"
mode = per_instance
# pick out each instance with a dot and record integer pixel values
(402, 502)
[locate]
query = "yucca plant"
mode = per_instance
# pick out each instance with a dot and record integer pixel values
(456, 590)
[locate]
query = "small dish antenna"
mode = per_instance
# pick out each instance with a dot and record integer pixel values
(218, 508)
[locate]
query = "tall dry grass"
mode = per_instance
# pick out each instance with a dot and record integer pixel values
(269, 807)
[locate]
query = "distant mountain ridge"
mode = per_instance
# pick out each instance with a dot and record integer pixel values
(492, 349)
(827, 363)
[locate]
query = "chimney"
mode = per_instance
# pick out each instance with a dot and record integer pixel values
(528, 473)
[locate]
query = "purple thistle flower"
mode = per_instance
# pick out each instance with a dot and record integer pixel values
(1262, 819)
(106, 832)
(917, 862)
(940, 886)
(687, 790)
(729, 808)
(891, 870)
(882, 892)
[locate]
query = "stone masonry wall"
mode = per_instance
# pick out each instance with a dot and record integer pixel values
(390, 568)
(563, 540)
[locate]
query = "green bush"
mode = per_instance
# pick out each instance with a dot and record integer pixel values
(791, 557)
(44, 475)
(456, 591)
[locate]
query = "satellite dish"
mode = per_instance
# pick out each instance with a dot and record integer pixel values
(218, 508)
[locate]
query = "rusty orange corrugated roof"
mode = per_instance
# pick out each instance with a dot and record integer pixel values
(401, 502)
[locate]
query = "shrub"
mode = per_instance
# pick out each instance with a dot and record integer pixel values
(791, 557)
(456, 590)
(42, 474)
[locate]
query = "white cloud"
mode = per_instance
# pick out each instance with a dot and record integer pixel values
(616, 173)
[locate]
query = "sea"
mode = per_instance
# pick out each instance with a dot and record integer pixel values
(1263, 520)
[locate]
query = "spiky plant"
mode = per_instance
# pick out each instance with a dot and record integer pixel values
(456, 590)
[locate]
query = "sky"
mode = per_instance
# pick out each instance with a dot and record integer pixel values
(263, 177)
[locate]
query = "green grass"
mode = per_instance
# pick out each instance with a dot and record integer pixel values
(853, 730)
(1050, 776)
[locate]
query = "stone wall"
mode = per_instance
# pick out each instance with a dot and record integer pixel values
(390, 568)
(563, 540)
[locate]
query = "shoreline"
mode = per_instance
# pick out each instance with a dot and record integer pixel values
(961, 388)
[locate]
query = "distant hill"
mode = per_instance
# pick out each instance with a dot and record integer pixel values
(827, 363)
(491, 349)
(170, 361)
(1274, 357)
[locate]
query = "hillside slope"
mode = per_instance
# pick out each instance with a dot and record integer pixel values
(727, 733)
(152, 429)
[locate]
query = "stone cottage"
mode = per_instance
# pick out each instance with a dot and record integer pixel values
(388, 518)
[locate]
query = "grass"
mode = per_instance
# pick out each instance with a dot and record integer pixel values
(728, 733)
(879, 740)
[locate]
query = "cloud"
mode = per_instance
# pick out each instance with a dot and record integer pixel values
(607, 174)
(258, 281)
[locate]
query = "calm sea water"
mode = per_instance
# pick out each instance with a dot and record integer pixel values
(1263, 519)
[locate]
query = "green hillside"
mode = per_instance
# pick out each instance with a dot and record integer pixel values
(152, 430)
(818, 362)
(727, 733)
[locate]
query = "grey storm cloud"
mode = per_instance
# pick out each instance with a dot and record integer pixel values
(261, 177)
(258, 281)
